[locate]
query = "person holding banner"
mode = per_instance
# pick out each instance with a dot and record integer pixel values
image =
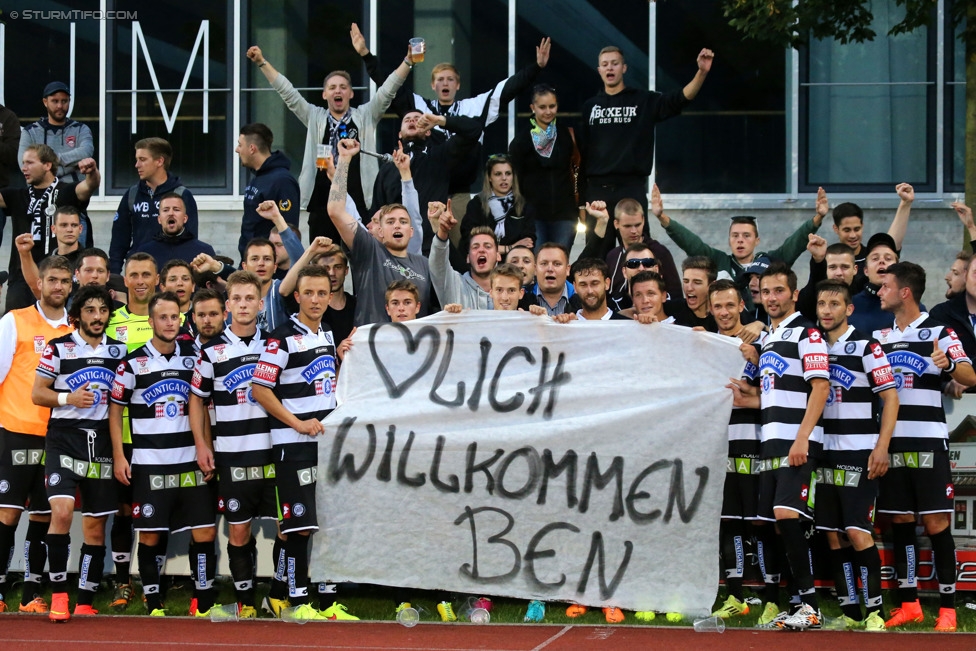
(295, 383)
(920, 350)
(795, 383)
(741, 493)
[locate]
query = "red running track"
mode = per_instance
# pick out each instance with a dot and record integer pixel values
(134, 633)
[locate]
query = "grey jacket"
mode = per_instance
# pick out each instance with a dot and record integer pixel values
(366, 116)
(72, 142)
(452, 287)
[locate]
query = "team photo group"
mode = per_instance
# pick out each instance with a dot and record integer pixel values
(150, 386)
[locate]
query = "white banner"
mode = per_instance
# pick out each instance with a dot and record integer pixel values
(499, 453)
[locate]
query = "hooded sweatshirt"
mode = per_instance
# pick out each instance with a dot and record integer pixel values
(272, 182)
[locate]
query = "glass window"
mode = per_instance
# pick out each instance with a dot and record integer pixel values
(867, 110)
(167, 33)
(579, 30)
(732, 138)
(26, 76)
(471, 35)
(304, 40)
(955, 102)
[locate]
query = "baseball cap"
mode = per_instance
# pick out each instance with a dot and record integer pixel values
(881, 239)
(55, 87)
(758, 265)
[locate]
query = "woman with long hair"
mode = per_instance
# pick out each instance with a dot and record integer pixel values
(542, 155)
(501, 207)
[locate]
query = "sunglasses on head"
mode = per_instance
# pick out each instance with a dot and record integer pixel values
(637, 263)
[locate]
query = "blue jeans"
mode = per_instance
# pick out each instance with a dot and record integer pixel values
(561, 232)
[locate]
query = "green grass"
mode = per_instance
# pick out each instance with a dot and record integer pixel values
(378, 604)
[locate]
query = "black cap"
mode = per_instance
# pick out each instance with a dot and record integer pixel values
(758, 265)
(881, 239)
(55, 87)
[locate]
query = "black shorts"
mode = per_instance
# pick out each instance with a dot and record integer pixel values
(245, 493)
(22, 472)
(845, 496)
(95, 481)
(174, 501)
(741, 497)
(295, 486)
(782, 486)
(917, 482)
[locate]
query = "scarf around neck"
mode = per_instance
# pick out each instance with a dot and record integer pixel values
(543, 139)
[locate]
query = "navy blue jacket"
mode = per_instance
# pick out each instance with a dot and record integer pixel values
(184, 246)
(273, 182)
(135, 226)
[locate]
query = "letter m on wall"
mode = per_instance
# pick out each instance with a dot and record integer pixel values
(139, 42)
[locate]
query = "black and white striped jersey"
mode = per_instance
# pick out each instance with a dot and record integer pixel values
(745, 422)
(859, 370)
(794, 353)
(300, 367)
(72, 363)
(242, 435)
(156, 389)
(921, 419)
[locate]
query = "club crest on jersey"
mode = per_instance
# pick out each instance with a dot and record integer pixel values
(169, 397)
(914, 362)
(850, 347)
(39, 344)
(834, 396)
(904, 381)
(142, 365)
(924, 334)
(69, 351)
(300, 344)
(122, 333)
(220, 353)
(114, 352)
(786, 334)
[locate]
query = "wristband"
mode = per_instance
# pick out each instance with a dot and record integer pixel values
(62, 399)
(263, 63)
(952, 366)
(407, 61)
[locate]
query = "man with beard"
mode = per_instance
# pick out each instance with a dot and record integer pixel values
(472, 290)
(329, 126)
(957, 314)
(169, 492)
(71, 140)
(24, 334)
(741, 491)
(956, 276)
(175, 241)
(375, 264)
(432, 157)
(240, 453)
(919, 483)
(591, 279)
(208, 315)
(74, 378)
(32, 210)
(855, 453)
(868, 316)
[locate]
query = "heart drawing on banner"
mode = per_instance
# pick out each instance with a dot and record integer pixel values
(412, 342)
